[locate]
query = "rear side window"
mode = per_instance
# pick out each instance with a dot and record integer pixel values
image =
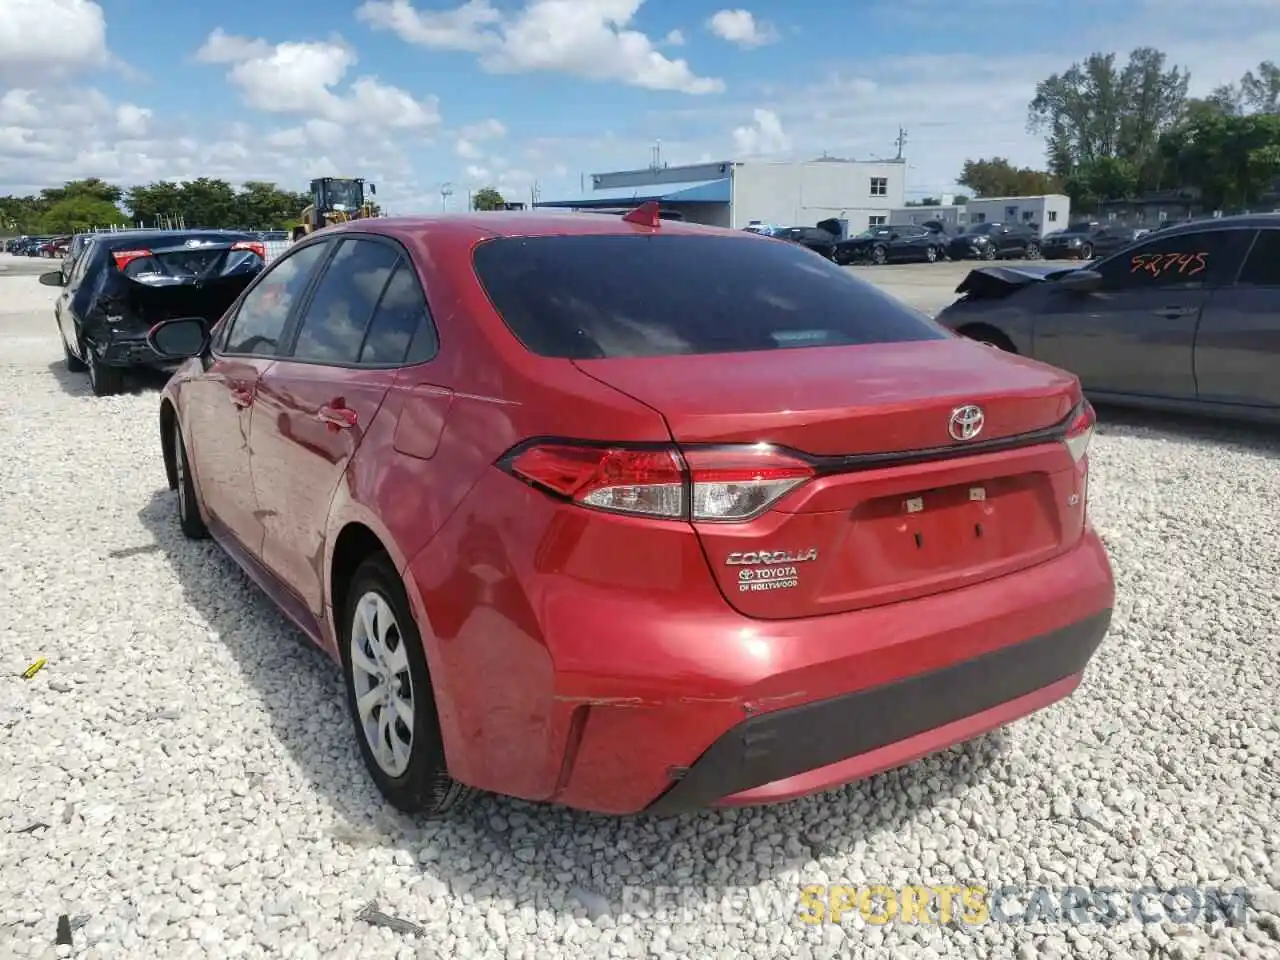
(334, 325)
(1262, 269)
(401, 313)
(589, 297)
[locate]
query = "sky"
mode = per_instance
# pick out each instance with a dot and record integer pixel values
(431, 99)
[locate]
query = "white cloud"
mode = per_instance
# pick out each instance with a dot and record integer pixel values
(741, 27)
(763, 136)
(468, 150)
(490, 129)
(583, 38)
(51, 35)
(132, 120)
(674, 39)
(299, 78)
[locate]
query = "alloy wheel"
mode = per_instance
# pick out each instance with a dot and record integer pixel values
(383, 684)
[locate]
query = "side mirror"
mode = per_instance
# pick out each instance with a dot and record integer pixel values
(52, 279)
(1081, 281)
(179, 339)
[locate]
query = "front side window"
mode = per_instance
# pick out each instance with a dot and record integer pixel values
(1207, 258)
(258, 324)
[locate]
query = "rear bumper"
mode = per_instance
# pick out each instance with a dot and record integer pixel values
(798, 750)
(607, 672)
(129, 350)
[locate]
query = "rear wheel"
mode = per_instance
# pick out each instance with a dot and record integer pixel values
(74, 363)
(931, 254)
(1033, 251)
(389, 694)
(104, 380)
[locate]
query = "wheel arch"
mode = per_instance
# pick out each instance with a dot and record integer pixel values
(979, 330)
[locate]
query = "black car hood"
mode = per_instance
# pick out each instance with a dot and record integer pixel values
(995, 282)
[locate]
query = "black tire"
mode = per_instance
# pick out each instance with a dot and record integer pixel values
(931, 254)
(1086, 251)
(74, 363)
(104, 380)
(189, 519)
(879, 255)
(1033, 251)
(989, 252)
(424, 787)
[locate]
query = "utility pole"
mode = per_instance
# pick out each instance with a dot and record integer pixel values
(901, 141)
(446, 191)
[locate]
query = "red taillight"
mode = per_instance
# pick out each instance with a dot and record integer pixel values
(713, 484)
(1080, 431)
(253, 245)
(737, 483)
(125, 257)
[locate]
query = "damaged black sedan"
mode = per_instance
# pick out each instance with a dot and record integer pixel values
(1187, 318)
(124, 284)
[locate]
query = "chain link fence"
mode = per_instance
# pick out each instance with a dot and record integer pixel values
(275, 248)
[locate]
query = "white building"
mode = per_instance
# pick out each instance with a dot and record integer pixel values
(1049, 212)
(733, 193)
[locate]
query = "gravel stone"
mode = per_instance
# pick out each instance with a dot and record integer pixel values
(204, 795)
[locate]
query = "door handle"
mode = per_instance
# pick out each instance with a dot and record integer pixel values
(241, 397)
(337, 417)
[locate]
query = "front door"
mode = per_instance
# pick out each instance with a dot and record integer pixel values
(218, 406)
(1135, 334)
(224, 399)
(315, 407)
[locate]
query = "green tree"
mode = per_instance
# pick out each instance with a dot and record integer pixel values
(998, 177)
(1098, 110)
(93, 188)
(1232, 159)
(487, 198)
(77, 213)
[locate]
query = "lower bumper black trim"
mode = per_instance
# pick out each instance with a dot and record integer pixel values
(795, 740)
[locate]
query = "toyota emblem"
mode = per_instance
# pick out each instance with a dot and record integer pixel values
(966, 422)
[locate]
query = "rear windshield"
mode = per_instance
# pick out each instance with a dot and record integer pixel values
(592, 297)
(185, 264)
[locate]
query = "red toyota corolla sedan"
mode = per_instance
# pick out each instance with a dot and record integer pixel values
(634, 515)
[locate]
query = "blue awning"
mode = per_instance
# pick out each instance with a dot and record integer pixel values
(691, 191)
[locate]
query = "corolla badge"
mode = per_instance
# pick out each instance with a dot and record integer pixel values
(770, 557)
(966, 422)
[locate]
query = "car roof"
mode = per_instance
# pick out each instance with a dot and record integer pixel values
(1257, 221)
(469, 227)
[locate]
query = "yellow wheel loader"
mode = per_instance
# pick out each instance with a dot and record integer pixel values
(335, 200)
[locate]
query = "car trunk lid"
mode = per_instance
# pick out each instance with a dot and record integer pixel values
(894, 505)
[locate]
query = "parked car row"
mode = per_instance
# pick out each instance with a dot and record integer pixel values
(932, 242)
(441, 444)
(47, 247)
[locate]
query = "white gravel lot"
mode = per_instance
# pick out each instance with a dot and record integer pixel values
(195, 791)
